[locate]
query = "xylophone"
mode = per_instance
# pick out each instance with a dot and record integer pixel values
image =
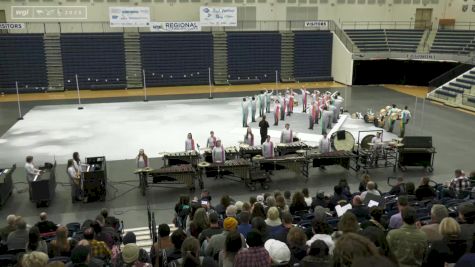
(342, 158)
(178, 158)
(176, 174)
(297, 164)
(290, 148)
(238, 167)
(246, 151)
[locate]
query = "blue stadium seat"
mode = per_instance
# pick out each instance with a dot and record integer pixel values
(313, 55)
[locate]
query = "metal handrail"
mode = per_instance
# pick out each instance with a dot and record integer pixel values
(385, 25)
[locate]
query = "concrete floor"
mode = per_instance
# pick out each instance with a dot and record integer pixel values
(452, 133)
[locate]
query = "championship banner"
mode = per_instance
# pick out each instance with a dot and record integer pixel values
(12, 26)
(218, 16)
(129, 16)
(185, 26)
(49, 12)
(317, 24)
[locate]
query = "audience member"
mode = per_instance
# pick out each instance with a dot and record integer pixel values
(258, 211)
(425, 191)
(80, 256)
(223, 205)
(35, 242)
(298, 203)
(182, 209)
(105, 231)
(280, 232)
(408, 244)
(467, 223)
(201, 220)
(254, 256)
(437, 213)
(273, 217)
(34, 259)
(320, 200)
(373, 261)
(130, 238)
(348, 224)
(351, 247)
(322, 231)
(238, 205)
(278, 251)
(318, 255)
(396, 220)
(18, 238)
(232, 245)
(10, 227)
(337, 198)
(359, 210)
(343, 183)
(44, 225)
(306, 196)
(213, 228)
(231, 211)
(244, 226)
(177, 237)
(281, 205)
(270, 202)
(217, 242)
(370, 189)
(55, 264)
(163, 243)
(297, 242)
(450, 248)
(287, 197)
(252, 200)
(61, 246)
(411, 191)
(130, 257)
(260, 225)
(364, 182)
(378, 237)
(376, 220)
(110, 220)
(457, 187)
(98, 248)
(399, 188)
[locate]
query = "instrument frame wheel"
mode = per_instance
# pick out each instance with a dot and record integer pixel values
(430, 169)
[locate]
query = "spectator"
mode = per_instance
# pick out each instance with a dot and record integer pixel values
(252, 200)
(213, 229)
(425, 191)
(364, 182)
(343, 183)
(246, 207)
(278, 252)
(81, 256)
(281, 205)
(348, 224)
(182, 209)
(130, 238)
(217, 242)
(277, 193)
(296, 240)
(317, 255)
(351, 247)
(457, 187)
(55, 264)
(437, 213)
(5, 231)
(164, 243)
(108, 233)
(260, 199)
(61, 246)
(130, 256)
(18, 238)
(408, 244)
(322, 231)
(201, 220)
(110, 220)
(270, 202)
(238, 205)
(359, 210)
(244, 226)
(99, 249)
(306, 196)
(35, 242)
(378, 237)
(298, 203)
(102, 236)
(370, 189)
(376, 220)
(280, 233)
(190, 251)
(411, 191)
(178, 236)
(287, 197)
(399, 188)
(35, 259)
(254, 256)
(396, 220)
(44, 225)
(232, 245)
(337, 198)
(467, 223)
(273, 217)
(231, 211)
(260, 225)
(258, 211)
(373, 261)
(223, 205)
(450, 248)
(320, 200)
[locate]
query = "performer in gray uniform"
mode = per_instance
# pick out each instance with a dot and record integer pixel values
(245, 112)
(333, 109)
(327, 117)
(262, 103)
(253, 109)
(268, 95)
(338, 102)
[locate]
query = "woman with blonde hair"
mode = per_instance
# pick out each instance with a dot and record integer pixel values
(273, 217)
(34, 259)
(61, 246)
(452, 246)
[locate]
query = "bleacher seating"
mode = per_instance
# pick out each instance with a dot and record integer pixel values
(97, 58)
(22, 59)
(313, 55)
(460, 86)
(176, 58)
(453, 42)
(380, 40)
(253, 56)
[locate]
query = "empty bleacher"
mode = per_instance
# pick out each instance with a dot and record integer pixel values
(458, 92)
(313, 55)
(22, 59)
(381, 40)
(97, 58)
(176, 58)
(253, 57)
(454, 42)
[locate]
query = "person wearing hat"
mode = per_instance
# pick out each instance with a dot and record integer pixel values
(130, 238)
(279, 252)
(217, 242)
(130, 256)
(254, 256)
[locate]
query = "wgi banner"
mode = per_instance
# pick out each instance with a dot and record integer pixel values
(218, 16)
(185, 26)
(129, 16)
(12, 26)
(317, 24)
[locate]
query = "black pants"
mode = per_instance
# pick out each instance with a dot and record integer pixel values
(263, 138)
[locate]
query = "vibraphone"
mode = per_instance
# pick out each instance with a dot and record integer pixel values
(297, 164)
(176, 174)
(250, 151)
(290, 148)
(231, 153)
(179, 158)
(342, 158)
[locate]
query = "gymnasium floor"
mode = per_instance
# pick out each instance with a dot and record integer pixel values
(452, 133)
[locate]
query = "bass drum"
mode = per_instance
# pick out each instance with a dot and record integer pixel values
(365, 142)
(379, 122)
(342, 140)
(368, 118)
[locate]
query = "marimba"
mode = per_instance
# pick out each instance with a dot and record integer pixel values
(246, 151)
(290, 148)
(230, 152)
(176, 174)
(179, 158)
(342, 158)
(297, 164)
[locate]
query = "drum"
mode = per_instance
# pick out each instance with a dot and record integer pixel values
(368, 118)
(342, 140)
(366, 141)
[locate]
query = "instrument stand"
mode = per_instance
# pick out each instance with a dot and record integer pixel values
(20, 117)
(79, 96)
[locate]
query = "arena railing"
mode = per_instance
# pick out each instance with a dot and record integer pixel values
(371, 25)
(451, 74)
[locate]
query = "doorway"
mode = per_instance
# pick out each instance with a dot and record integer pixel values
(423, 18)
